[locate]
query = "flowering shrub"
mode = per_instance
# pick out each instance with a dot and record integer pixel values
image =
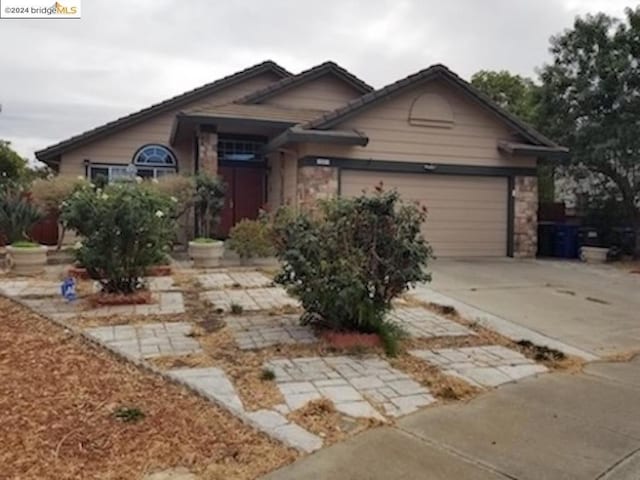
(126, 228)
(349, 259)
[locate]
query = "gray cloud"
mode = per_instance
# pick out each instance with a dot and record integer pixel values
(61, 77)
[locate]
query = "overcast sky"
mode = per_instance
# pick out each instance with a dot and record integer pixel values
(61, 77)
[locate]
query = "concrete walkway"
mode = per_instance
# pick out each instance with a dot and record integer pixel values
(553, 427)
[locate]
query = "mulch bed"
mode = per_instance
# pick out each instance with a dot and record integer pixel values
(58, 399)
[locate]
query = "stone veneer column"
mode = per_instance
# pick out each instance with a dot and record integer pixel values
(208, 150)
(525, 222)
(316, 183)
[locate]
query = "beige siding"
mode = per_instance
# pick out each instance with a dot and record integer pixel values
(324, 93)
(120, 146)
(471, 140)
(467, 216)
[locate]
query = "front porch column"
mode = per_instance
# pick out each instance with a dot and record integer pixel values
(315, 183)
(208, 149)
(525, 222)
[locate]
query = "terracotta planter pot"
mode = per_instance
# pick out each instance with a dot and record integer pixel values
(27, 260)
(78, 272)
(159, 271)
(206, 254)
(349, 340)
(593, 254)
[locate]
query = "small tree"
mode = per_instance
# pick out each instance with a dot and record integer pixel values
(208, 202)
(126, 228)
(347, 261)
(50, 193)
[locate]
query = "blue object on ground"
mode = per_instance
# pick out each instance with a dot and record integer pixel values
(68, 289)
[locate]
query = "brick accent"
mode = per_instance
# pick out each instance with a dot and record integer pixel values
(208, 151)
(525, 222)
(315, 183)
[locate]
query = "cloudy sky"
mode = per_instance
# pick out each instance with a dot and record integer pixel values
(61, 77)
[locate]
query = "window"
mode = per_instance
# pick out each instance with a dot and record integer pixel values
(109, 173)
(153, 161)
(240, 150)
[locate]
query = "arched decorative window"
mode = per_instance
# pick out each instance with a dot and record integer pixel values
(431, 110)
(153, 161)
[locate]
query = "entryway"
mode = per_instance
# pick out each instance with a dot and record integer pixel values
(245, 194)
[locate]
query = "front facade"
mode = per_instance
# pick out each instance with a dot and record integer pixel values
(282, 139)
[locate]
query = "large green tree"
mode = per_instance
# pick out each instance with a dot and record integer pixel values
(520, 96)
(12, 166)
(590, 101)
(514, 93)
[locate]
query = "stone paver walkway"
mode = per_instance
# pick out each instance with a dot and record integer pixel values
(147, 340)
(24, 288)
(58, 308)
(261, 331)
(487, 366)
(250, 300)
(350, 383)
(213, 383)
(421, 323)
(220, 280)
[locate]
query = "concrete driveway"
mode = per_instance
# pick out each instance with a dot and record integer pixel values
(593, 308)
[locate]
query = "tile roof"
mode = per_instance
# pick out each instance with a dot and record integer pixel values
(331, 119)
(302, 77)
(49, 153)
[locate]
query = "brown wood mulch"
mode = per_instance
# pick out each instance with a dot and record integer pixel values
(58, 396)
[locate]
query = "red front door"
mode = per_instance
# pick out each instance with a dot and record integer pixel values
(245, 195)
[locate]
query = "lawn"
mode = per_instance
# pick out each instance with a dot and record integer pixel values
(58, 399)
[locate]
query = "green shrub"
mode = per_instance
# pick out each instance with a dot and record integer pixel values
(208, 202)
(17, 214)
(126, 228)
(251, 238)
(350, 258)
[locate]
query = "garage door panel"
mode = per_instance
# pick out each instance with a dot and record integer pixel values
(467, 215)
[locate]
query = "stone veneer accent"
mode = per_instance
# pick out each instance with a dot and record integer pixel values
(525, 222)
(208, 151)
(316, 183)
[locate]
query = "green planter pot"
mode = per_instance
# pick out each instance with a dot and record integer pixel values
(206, 254)
(27, 260)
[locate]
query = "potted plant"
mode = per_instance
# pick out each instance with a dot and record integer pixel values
(204, 250)
(17, 215)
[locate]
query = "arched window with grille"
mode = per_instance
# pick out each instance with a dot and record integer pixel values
(153, 161)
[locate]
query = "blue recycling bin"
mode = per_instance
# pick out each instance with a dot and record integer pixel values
(565, 241)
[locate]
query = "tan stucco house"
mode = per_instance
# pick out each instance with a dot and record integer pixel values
(278, 138)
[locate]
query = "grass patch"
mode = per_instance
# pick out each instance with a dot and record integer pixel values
(129, 414)
(25, 244)
(236, 309)
(541, 353)
(267, 375)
